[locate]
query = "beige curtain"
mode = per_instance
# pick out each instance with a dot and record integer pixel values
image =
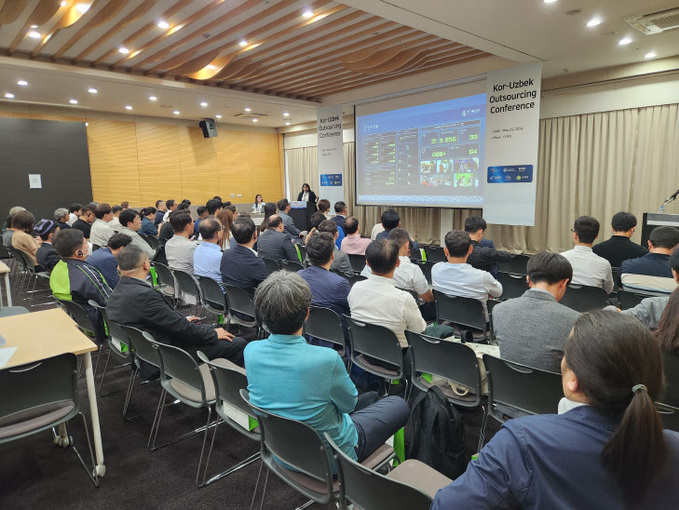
(595, 164)
(302, 167)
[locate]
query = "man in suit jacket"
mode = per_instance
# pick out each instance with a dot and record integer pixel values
(341, 264)
(240, 265)
(484, 256)
(288, 224)
(532, 329)
(135, 303)
(274, 244)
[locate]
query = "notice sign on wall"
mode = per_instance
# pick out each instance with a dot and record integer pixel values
(330, 153)
(512, 122)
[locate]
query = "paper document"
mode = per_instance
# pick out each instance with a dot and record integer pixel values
(6, 354)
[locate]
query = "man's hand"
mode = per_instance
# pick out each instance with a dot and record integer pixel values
(223, 334)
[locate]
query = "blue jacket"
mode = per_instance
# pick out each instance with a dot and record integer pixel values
(107, 264)
(241, 268)
(552, 461)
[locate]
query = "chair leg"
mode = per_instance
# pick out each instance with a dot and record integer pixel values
(202, 448)
(305, 505)
(103, 374)
(155, 425)
(254, 494)
(482, 434)
(93, 473)
(128, 395)
(266, 480)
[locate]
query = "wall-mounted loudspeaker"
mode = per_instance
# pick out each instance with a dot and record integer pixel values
(208, 127)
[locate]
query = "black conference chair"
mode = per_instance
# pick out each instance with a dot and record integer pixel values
(212, 296)
(583, 298)
(434, 253)
(425, 266)
(241, 308)
(166, 282)
(669, 416)
(117, 342)
(354, 279)
(357, 263)
(628, 299)
(324, 324)
(290, 265)
(513, 284)
(516, 265)
(461, 311)
(271, 265)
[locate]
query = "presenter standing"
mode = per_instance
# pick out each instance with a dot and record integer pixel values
(309, 197)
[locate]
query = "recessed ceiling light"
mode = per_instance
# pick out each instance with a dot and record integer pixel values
(73, 101)
(594, 22)
(128, 107)
(163, 24)
(203, 104)
(650, 54)
(153, 98)
(64, 3)
(624, 41)
(287, 122)
(9, 95)
(308, 13)
(92, 90)
(82, 8)
(176, 112)
(87, 124)
(550, 1)
(247, 109)
(123, 50)
(34, 35)
(34, 26)
(286, 114)
(218, 116)
(210, 67)
(23, 83)
(243, 43)
(255, 120)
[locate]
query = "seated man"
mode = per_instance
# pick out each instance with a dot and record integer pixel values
(179, 249)
(652, 272)
(274, 244)
(533, 328)
(240, 265)
(104, 259)
(101, 232)
(409, 276)
(619, 247)
(130, 224)
(73, 279)
(293, 379)
(202, 213)
(483, 257)
(391, 220)
(75, 210)
(341, 264)
(588, 268)
(353, 243)
(161, 209)
(135, 303)
(288, 224)
(340, 216)
(46, 255)
(207, 258)
(115, 222)
(61, 216)
(84, 222)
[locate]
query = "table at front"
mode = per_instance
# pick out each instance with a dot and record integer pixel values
(5, 270)
(49, 333)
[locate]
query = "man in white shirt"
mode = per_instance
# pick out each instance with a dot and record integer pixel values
(101, 232)
(180, 249)
(130, 223)
(115, 222)
(171, 206)
(588, 268)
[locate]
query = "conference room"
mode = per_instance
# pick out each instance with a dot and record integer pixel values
(416, 170)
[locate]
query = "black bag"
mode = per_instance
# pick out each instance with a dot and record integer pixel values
(434, 433)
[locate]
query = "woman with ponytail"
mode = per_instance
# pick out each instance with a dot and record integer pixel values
(605, 449)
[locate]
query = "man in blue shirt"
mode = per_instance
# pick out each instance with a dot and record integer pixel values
(104, 259)
(207, 258)
(652, 272)
(293, 379)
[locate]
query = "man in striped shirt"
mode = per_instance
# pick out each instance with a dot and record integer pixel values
(588, 268)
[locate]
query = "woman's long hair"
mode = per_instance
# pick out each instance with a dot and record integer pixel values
(225, 216)
(668, 327)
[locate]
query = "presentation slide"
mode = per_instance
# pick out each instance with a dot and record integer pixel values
(429, 155)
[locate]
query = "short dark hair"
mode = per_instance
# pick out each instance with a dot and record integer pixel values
(340, 206)
(674, 259)
(147, 210)
(117, 208)
(178, 219)
(186, 201)
(170, 203)
(183, 207)
(130, 258)
(319, 248)
(23, 220)
(231, 208)
(158, 202)
(102, 210)
(243, 229)
(390, 219)
(474, 223)
(661, 237)
(623, 221)
(458, 243)
(282, 204)
(399, 236)
(127, 216)
(328, 226)
(68, 241)
(75, 207)
(274, 221)
(212, 206)
(209, 227)
(382, 256)
(587, 229)
(549, 267)
(89, 208)
(350, 225)
(282, 302)
(125, 204)
(324, 204)
(201, 209)
(119, 241)
(316, 219)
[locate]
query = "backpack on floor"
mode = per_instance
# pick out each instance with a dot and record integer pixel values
(435, 433)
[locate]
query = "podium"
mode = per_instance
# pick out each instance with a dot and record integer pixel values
(653, 220)
(299, 214)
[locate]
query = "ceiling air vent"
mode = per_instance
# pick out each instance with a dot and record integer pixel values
(250, 115)
(656, 22)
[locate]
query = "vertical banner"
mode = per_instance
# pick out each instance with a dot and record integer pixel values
(330, 153)
(512, 122)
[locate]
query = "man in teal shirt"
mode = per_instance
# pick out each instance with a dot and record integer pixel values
(309, 383)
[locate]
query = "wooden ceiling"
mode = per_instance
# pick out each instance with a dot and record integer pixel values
(301, 49)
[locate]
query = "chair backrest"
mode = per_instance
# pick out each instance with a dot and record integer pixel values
(95, 247)
(117, 338)
(425, 266)
(165, 276)
(516, 265)
(188, 285)
(434, 253)
(357, 262)
(583, 298)
(291, 265)
(354, 279)
(239, 300)
(324, 324)
(79, 315)
(153, 241)
(513, 284)
(368, 489)
(142, 344)
(24, 260)
(669, 415)
(213, 296)
(271, 265)
(671, 367)
(460, 310)
(627, 299)
(295, 443)
(375, 341)
(177, 364)
(453, 361)
(521, 388)
(50, 381)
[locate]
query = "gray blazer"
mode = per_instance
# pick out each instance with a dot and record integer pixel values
(648, 311)
(532, 329)
(342, 264)
(276, 245)
(289, 224)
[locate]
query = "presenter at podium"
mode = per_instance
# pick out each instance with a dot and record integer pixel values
(309, 197)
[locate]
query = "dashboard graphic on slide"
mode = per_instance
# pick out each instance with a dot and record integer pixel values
(429, 155)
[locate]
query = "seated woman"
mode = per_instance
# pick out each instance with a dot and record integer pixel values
(291, 378)
(324, 207)
(258, 205)
(22, 240)
(606, 448)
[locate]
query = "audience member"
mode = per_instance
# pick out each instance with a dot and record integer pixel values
(61, 216)
(620, 247)
(148, 228)
(269, 209)
(213, 206)
(161, 209)
(115, 221)
(105, 258)
(588, 268)
(324, 207)
(308, 196)
(170, 205)
(74, 212)
(125, 205)
(84, 222)
(8, 230)
(274, 244)
(341, 264)
(207, 257)
(605, 449)
(340, 215)
(391, 220)
(483, 257)
(135, 303)
(353, 243)
(667, 333)
(652, 272)
(533, 328)
(202, 213)
(288, 224)
(240, 265)
(225, 217)
(46, 255)
(130, 221)
(291, 378)
(100, 232)
(258, 205)
(165, 231)
(179, 249)
(22, 240)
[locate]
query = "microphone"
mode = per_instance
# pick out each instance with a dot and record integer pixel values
(670, 199)
(674, 196)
